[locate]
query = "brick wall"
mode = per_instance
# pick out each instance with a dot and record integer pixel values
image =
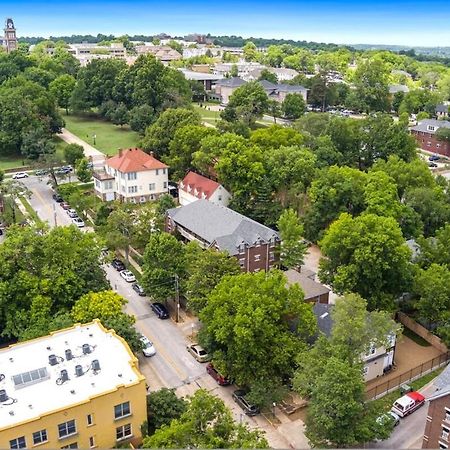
(437, 423)
(428, 142)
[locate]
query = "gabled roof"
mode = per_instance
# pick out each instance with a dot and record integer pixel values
(200, 183)
(310, 287)
(424, 124)
(290, 88)
(221, 226)
(267, 85)
(134, 160)
(233, 82)
(442, 108)
(322, 311)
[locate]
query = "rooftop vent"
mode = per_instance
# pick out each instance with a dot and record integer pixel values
(2, 376)
(3, 396)
(95, 365)
(53, 360)
(69, 354)
(31, 377)
(49, 348)
(86, 349)
(64, 375)
(78, 371)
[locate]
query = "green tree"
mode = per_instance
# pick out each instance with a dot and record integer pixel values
(120, 115)
(276, 136)
(293, 247)
(205, 272)
(62, 89)
(267, 75)
(141, 117)
(79, 100)
(72, 153)
(352, 247)
(159, 135)
(176, 46)
(207, 423)
(162, 407)
(249, 315)
(293, 106)
(164, 259)
(83, 170)
(35, 143)
(11, 190)
(250, 51)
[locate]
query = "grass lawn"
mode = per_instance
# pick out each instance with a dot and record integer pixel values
(109, 137)
(32, 213)
(11, 162)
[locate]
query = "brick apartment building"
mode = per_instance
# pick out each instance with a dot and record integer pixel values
(424, 133)
(437, 428)
(213, 226)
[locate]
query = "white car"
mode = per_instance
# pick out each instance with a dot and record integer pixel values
(78, 222)
(19, 175)
(148, 348)
(127, 276)
(72, 213)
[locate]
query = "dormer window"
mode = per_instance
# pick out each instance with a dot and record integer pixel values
(431, 128)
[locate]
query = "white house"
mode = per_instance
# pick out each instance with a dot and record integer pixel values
(131, 176)
(194, 187)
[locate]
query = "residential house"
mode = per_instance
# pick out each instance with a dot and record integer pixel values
(314, 291)
(194, 187)
(213, 226)
(425, 134)
(76, 388)
(437, 428)
(376, 362)
(441, 111)
(225, 87)
(131, 176)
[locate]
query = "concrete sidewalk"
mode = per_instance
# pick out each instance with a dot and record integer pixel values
(90, 152)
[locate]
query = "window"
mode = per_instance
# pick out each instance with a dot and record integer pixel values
(122, 410)
(131, 176)
(90, 419)
(431, 128)
(429, 144)
(142, 200)
(164, 171)
(445, 433)
(109, 185)
(132, 189)
(122, 175)
(18, 442)
(67, 428)
(39, 437)
(165, 185)
(365, 370)
(157, 171)
(219, 198)
(442, 445)
(257, 257)
(72, 445)
(371, 351)
(123, 432)
(91, 441)
(151, 187)
(272, 256)
(97, 183)
(447, 415)
(242, 263)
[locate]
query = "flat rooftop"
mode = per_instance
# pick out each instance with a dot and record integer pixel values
(35, 387)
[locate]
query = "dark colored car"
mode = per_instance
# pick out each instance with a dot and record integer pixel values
(41, 172)
(118, 265)
(138, 288)
(220, 379)
(57, 198)
(239, 398)
(432, 164)
(160, 310)
(434, 158)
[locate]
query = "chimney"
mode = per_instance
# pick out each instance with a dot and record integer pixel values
(151, 154)
(120, 152)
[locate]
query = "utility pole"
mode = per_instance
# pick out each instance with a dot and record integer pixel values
(54, 214)
(177, 296)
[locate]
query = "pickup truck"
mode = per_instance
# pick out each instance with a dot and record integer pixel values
(408, 403)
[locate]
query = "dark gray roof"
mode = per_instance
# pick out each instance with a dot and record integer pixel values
(220, 225)
(322, 312)
(310, 287)
(231, 82)
(424, 124)
(267, 85)
(290, 88)
(442, 108)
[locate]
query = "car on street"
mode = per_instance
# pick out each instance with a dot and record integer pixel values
(72, 213)
(389, 417)
(128, 276)
(148, 348)
(241, 400)
(138, 288)
(160, 310)
(64, 205)
(78, 222)
(407, 404)
(57, 198)
(198, 352)
(19, 175)
(41, 172)
(434, 158)
(220, 379)
(432, 164)
(118, 264)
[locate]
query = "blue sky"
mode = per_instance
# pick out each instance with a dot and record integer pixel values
(415, 22)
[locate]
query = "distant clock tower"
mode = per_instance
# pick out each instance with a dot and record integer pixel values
(10, 39)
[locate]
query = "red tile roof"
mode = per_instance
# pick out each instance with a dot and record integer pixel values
(134, 160)
(202, 184)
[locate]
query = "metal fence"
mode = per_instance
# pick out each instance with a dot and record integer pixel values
(413, 374)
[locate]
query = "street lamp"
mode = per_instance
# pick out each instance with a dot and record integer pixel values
(273, 408)
(94, 136)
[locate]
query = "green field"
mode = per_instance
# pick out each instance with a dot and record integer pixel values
(210, 117)
(109, 137)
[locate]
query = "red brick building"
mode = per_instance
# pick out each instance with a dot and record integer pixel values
(212, 226)
(425, 135)
(437, 428)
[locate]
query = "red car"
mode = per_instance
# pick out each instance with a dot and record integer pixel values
(64, 205)
(220, 379)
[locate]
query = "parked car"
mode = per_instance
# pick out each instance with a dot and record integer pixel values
(220, 379)
(434, 158)
(19, 175)
(78, 222)
(408, 403)
(138, 288)
(160, 310)
(57, 198)
(432, 164)
(64, 205)
(148, 348)
(388, 417)
(118, 264)
(72, 213)
(198, 352)
(128, 276)
(239, 398)
(41, 172)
